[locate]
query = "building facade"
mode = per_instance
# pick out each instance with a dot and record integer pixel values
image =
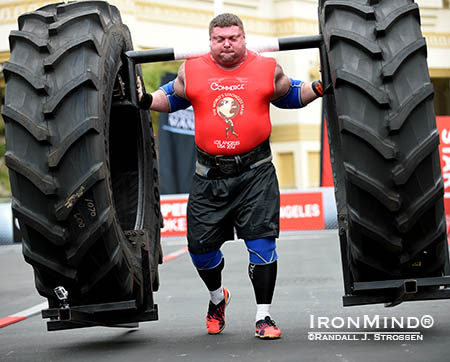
(296, 133)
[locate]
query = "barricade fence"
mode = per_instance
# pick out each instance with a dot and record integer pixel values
(311, 209)
(6, 222)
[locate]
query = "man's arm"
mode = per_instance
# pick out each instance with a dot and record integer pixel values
(283, 87)
(179, 85)
(169, 96)
(281, 82)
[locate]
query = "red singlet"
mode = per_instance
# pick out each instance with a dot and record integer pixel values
(231, 107)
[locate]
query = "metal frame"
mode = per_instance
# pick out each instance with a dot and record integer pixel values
(134, 57)
(124, 314)
(390, 292)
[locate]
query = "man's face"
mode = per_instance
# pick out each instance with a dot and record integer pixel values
(227, 45)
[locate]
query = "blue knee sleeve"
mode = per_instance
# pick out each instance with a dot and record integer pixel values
(262, 251)
(207, 261)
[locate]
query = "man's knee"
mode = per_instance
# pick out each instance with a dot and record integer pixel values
(207, 261)
(262, 251)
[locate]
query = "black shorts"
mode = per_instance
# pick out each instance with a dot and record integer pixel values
(249, 202)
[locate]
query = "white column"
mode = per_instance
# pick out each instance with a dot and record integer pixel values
(218, 7)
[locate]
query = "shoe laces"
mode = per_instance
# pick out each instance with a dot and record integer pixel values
(266, 322)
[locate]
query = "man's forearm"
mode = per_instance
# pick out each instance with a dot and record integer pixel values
(156, 101)
(308, 94)
(165, 99)
(160, 102)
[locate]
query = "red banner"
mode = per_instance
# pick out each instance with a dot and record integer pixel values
(298, 211)
(174, 214)
(301, 211)
(443, 125)
(326, 173)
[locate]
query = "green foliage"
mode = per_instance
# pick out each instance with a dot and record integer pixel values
(2, 100)
(2, 145)
(5, 188)
(152, 73)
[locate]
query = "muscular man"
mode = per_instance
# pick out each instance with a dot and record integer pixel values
(235, 185)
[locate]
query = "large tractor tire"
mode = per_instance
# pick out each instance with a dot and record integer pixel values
(383, 139)
(82, 159)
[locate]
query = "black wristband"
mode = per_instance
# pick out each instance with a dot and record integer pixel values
(146, 101)
(317, 87)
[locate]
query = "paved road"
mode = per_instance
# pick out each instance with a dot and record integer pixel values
(309, 286)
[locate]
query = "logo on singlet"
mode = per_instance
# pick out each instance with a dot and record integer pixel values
(220, 87)
(228, 106)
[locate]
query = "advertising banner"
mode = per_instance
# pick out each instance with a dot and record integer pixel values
(174, 214)
(298, 211)
(443, 125)
(326, 173)
(301, 211)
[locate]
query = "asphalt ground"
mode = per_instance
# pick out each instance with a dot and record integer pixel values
(309, 288)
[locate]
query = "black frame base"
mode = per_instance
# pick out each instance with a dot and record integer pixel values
(125, 314)
(120, 314)
(390, 292)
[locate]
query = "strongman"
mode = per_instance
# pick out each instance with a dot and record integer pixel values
(235, 186)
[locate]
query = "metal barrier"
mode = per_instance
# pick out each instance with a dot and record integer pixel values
(6, 223)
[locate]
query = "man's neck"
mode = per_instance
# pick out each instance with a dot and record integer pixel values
(230, 67)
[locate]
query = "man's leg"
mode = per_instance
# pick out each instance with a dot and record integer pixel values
(262, 271)
(209, 267)
(207, 230)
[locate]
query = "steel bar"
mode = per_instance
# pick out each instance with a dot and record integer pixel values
(270, 45)
(397, 283)
(353, 300)
(94, 308)
(78, 318)
(408, 286)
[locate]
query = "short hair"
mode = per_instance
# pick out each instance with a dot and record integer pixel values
(225, 20)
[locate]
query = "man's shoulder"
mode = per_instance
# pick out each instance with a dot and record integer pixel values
(204, 58)
(262, 58)
(191, 65)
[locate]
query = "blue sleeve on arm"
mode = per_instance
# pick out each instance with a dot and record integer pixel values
(293, 98)
(176, 103)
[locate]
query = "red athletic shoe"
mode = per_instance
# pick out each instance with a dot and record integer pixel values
(267, 329)
(215, 319)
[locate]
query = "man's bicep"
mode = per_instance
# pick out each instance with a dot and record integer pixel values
(288, 94)
(179, 84)
(281, 83)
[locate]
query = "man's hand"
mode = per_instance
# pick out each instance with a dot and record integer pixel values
(317, 88)
(163, 98)
(144, 99)
(139, 88)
